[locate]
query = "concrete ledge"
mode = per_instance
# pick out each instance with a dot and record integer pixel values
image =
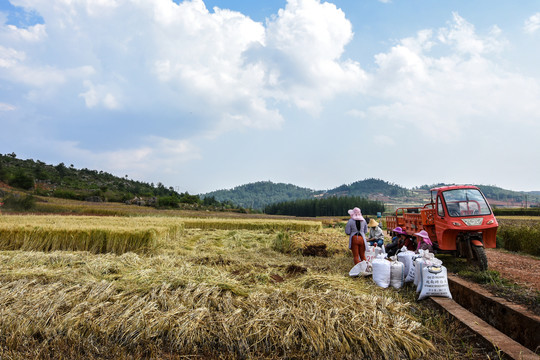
(514, 320)
(510, 348)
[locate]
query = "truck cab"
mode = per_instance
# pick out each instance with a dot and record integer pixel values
(462, 217)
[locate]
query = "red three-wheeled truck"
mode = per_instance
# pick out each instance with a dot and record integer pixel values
(458, 220)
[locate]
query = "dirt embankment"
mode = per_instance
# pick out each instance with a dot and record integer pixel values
(522, 269)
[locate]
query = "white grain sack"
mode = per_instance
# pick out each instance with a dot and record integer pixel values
(397, 273)
(435, 282)
(405, 256)
(381, 271)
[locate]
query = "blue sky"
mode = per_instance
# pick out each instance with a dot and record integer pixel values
(209, 95)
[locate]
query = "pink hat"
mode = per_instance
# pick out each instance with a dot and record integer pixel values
(399, 230)
(425, 236)
(356, 214)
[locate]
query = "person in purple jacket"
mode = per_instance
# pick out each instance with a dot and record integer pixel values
(356, 228)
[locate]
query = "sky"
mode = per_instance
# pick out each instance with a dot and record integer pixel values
(210, 95)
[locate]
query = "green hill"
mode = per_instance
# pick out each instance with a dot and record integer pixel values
(61, 181)
(259, 194)
(368, 187)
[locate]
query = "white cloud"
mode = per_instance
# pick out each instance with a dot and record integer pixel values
(6, 107)
(153, 155)
(532, 24)
(178, 60)
(10, 57)
(99, 95)
(384, 140)
(442, 96)
(461, 36)
(211, 61)
(356, 113)
(301, 56)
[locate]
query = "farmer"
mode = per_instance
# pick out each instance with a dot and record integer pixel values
(376, 235)
(356, 228)
(397, 241)
(424, 243)
(409, 243)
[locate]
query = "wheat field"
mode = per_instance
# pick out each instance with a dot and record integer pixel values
(200, 289)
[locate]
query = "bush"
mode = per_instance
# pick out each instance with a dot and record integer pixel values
(189, 199)
(167, 202)
(22, 181)
(68, 194)
(17, 202)
(516, 211)
(524, 238)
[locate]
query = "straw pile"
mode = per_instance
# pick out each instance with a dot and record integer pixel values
(203, 319)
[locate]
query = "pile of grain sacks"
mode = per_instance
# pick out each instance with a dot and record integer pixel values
(422, 269)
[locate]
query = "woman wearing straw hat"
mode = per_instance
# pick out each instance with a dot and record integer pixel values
(376, 235)
(424, 242)
(356, 228)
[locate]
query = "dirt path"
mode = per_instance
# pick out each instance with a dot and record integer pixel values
(522, 269)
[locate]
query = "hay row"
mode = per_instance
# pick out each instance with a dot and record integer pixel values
(193, 223)
(92, 239)
(85, 233)
(251, 224)
(117, 234)
(76, 221)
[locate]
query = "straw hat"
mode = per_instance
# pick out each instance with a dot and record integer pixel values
(372, 223)
(356, 214)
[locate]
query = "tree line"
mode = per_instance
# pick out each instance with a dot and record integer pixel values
(332, 206)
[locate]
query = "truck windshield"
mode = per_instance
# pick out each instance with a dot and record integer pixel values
(466, 202)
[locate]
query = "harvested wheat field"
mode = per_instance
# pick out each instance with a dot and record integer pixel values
(106, 289)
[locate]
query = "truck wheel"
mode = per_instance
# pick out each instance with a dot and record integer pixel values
(480, 257)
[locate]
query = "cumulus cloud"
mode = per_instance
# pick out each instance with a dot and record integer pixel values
(442, 95)
(300, 58)
(194, 58)
(532, 24)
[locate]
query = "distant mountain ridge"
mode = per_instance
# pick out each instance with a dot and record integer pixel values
(259, 194)
(83, 184)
